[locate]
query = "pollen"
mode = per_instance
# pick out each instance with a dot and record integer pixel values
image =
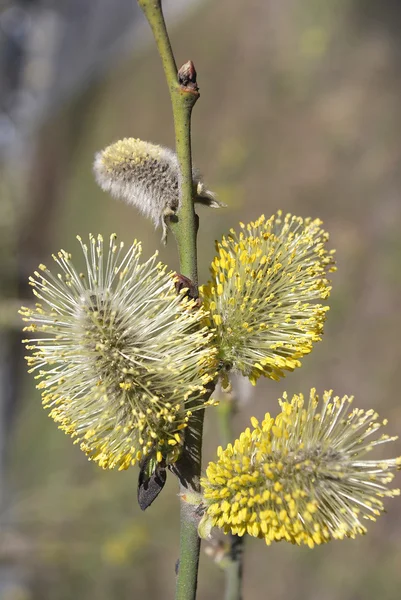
(263, 295)
(119, 354)
(302, 476)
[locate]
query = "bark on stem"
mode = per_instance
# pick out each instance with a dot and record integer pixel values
(233, 566)
(183, 95)
(183, 98)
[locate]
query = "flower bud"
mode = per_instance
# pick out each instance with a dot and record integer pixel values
(148, 177)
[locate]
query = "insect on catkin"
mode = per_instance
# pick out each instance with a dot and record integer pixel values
(148, 177)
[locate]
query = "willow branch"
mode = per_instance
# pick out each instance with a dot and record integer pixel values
(184, 93)
(233, 565)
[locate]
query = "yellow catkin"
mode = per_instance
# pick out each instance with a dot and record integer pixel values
(264, 292)
(290, 486)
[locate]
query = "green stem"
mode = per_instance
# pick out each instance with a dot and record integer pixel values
(233, 569)
(184, 228)
(233, 566)
(183, 99)
(188, 470)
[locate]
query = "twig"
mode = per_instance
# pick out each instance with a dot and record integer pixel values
(184, 93)
(183, 96)
(233, 565)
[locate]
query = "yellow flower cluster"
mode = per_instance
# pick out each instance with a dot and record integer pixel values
(263, 291)
(301, 477)
(120, 354)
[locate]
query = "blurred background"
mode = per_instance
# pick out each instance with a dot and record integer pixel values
(300, 109)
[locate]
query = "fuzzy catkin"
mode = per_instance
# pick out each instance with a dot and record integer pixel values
(304, 476)
(123, 360)
(147, 176)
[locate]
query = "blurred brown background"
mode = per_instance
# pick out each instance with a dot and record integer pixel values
(300, 109)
